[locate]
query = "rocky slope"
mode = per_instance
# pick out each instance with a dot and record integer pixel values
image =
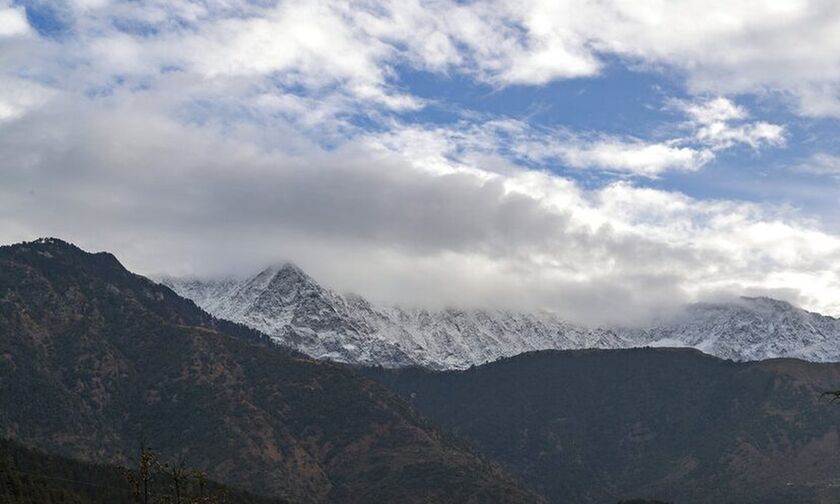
(94, 358)
(291, 307)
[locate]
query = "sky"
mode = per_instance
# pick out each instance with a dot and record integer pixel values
(605, 160)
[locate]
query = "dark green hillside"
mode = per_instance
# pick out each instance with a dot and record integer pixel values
(29, 476)
(94, 358)
(675, 425)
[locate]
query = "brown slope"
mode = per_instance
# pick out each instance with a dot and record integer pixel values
(94, 358)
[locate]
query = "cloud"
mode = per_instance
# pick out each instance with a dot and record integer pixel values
(720, 124)
(308, 43)
(821, 163)
(722, 135)
(372, 217)
(13, 21)
(712, 126)
(17, 96)
(722, 48)
(206, 137)
(635, 157)
(714, 111)
(819, 100)
(440, 149)
(789, 47)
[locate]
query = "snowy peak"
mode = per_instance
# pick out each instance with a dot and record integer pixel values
(291, 307)
(752, 329)
(284, 282)
(285, 276)
(284, 297)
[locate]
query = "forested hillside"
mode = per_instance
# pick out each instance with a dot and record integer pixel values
(673, 424)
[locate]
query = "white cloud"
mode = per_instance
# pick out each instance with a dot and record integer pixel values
(639, 158)
(18, 96)
(719, 124)
(722, 47)
(722, 135)
(13, 21)
(354, 47)
(709, 131)
(717, 110)
(440, 149)
(819, 100)
(821, 163)
(311, 40)
(753, 46)
(713, 126)
(315, 45)
(551, 50)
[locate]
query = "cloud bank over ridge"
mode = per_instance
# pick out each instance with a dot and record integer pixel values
(210, 138)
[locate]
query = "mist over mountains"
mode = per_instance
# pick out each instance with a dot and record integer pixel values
(294, 310)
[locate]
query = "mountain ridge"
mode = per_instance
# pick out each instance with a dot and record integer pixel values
(295, 310)
(672, 424)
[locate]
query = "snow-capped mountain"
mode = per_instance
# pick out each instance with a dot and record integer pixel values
(288, 305)
(750, 329)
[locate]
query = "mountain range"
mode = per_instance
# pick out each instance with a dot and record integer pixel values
(95, 360)
(296, 311)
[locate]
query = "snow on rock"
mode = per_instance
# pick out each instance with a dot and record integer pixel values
(288, 305)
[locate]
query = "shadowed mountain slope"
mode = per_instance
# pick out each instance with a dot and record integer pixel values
(672, 424)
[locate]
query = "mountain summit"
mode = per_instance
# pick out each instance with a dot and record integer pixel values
(294, 310)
